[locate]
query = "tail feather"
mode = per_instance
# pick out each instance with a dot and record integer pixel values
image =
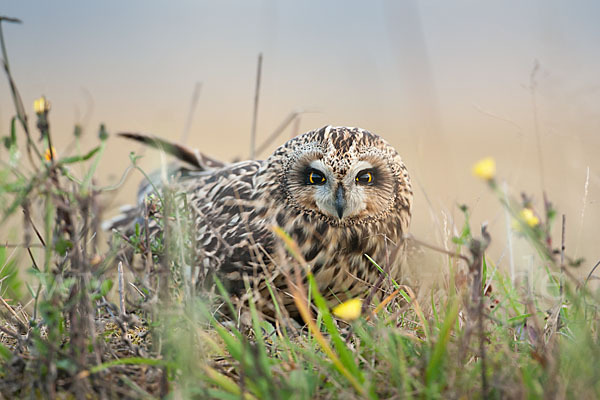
(183, 153)
(129, 215)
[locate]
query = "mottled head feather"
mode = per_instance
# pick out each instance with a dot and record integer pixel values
(339, 149)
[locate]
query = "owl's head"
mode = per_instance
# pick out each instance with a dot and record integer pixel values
(342, 175)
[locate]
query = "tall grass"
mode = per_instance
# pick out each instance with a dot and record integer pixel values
(66, 330)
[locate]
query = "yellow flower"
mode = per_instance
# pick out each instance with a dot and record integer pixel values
(41, 105)
(348, 310)
(50, 154)
(485, 169)
(528, 217)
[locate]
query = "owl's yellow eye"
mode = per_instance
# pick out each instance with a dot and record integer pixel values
(365, 177)
(316, 178)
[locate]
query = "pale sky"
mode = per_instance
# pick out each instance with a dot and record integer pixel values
(446, 82)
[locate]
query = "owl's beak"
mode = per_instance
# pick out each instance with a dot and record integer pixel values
(340, 202)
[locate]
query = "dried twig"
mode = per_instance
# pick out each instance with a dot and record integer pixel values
(12, 311)
(562, 255)
(121, 286)
(584, 201)
(511, 258)
(296, 126)
(435, 248)
(591, 273)
(255, 112)
(291, 117)
(192, 109)
(477, 249)
(32, 224)
(21, 115)
(35, 266)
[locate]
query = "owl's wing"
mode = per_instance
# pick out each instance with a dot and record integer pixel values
(226, 213)
(231, 234)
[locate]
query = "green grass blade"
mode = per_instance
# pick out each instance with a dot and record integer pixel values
(435, 366)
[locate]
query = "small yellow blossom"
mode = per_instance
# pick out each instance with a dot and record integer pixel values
(348, 310)
(41, 105)
(528, 217)
(485, 169)
(50, 154)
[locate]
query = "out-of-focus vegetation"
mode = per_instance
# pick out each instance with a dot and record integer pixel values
(80, 321)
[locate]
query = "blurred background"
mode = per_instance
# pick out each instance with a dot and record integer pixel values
(447, 83)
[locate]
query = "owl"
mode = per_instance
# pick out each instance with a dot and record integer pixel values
(341, 193)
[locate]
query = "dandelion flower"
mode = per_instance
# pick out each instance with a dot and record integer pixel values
(348, 310)
(50, 154)
(485, 169)
(41, 105)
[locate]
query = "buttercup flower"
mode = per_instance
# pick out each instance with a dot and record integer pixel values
(485, 169)
(348, 310)
(41, 105)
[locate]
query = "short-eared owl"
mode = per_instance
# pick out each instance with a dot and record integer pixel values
(341, 193)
